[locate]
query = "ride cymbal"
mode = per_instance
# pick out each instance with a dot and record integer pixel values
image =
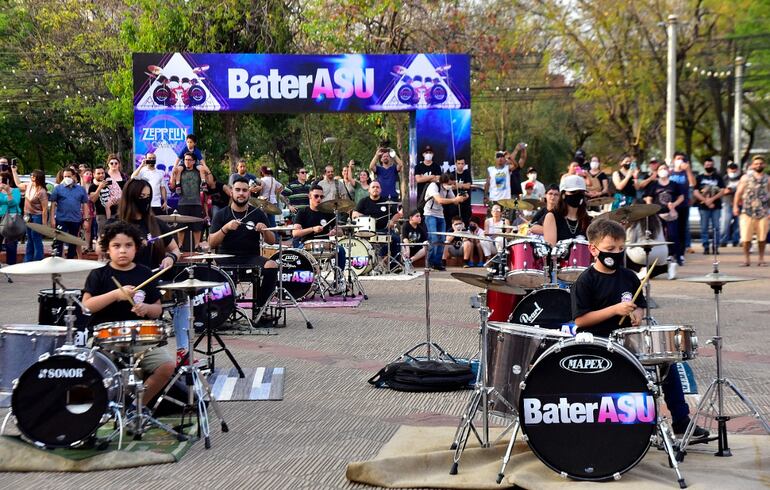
(178, 218)
(484, 282)
(265, 205)
(337, 205)
(712, 278)
(191, 285)
(58, 235)
(53, 265)
(631, 213)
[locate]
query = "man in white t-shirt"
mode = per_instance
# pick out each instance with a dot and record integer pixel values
(498, 183)
(436, 195)
(147, 171)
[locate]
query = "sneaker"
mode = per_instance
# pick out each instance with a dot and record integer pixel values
(706, 250)
(181, 358)
(697, 433)
(468, 264)
(672, 270)
(680, 260)
(438, 267)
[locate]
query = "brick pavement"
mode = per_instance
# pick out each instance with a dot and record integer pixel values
(331, 416)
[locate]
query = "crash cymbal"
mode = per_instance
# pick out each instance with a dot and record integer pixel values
(519, 204)
(536, 203)
(53, 265)
(191, 285)
(512, 236)
(600, 201)
(49, 232)
(648, 243)
(339, 205)
(265, 205)
(484, 282)
(464, 234)
(178, 218)
(634, 212)
(349, 227)
(712, 279)
(208, 256)
(390, 203)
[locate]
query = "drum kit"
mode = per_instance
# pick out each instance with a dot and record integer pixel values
(62, 393)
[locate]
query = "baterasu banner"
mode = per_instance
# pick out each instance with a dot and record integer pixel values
(278, 83)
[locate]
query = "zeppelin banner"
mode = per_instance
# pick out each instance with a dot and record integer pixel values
(279, 83)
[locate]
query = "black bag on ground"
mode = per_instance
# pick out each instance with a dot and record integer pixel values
(424, 375)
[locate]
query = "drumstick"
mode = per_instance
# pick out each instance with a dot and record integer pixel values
(128, 296)
(152, 278)
(639, 289)
(152, 239)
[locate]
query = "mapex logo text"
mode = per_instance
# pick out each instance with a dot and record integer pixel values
(342, 83)
(582, 363)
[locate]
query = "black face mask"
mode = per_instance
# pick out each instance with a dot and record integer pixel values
(574, 200)
(611, 260)
(143, 204)
(709, 170)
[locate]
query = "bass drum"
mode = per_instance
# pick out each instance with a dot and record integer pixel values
(220, 300)
(63, 399)
(359, 254)
(544, 308)
(299, 271)
(22, 345)
(588, 409)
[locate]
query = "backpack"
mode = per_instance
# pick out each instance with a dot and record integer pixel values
(421, 201)
(424, 375)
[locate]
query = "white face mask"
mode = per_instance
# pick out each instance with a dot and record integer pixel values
(67, 181)
(663, 173)
(447, 187)
(428, 157)
(732, 175)
(532, 177)
(594, 164)
(678, 164)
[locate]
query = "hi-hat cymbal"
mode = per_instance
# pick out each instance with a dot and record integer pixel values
(484, 282)
(58, 235)
(648, 243)
(536, 203)
(519, 204)
(53, 265)
(712, 279)
(265, 205)
(512, 236)
(464, 234)
(634, 212)
(191, 285)
(600, 201)
(178, 218)
(208, 256)
(390, 203)
(340, 205)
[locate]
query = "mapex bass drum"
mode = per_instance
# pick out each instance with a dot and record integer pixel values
(299, 271)
(63, 399)
(219, 302)
(588, 409)
(546, 308)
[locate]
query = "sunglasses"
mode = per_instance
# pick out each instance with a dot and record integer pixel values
(302, 172)
(317, 196)
(114, 163)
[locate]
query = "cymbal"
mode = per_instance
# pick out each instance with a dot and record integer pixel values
(515, 204)
(509, 235)
(464, 234)
(536, 203)
(265, 205)
(53, 265)
(600, 201)
(648, 243)
(712, 278)
(191, 285)
(178, 218)
(49, 232)
(349, 227)
(390, 203)
(634, 212)
(207, 256)
(280, 229)
(339, 205)
(486, 283)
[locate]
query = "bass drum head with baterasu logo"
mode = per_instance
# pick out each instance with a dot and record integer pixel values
(546, 308)
(588, 411)
(299, 271)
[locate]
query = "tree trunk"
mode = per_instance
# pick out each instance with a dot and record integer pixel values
(230, 120)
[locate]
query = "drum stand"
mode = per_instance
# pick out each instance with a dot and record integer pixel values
(353, 285)
(664, 430)
(716, 391)
(279, 294)
(481, 398)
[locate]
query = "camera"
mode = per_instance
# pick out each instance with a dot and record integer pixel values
(3, 167)
(108, 180)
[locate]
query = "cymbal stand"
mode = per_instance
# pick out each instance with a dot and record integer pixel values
(69, 317)
(651, 304)
(281, 294)
(196, 383)
(429, 344)
(716, 391)
(353, 285)
(481, 398)
(665, 433)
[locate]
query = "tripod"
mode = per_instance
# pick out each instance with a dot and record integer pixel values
(353, 285)
(279, 294)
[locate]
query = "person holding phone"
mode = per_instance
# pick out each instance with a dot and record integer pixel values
(10, 200)
(624, 180)
(386, 167)
(35, 209)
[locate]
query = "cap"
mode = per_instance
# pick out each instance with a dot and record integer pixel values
(499, 154)
(653, 160)
(531, 169)
(572, 183)
(427, 149)
(529, 185)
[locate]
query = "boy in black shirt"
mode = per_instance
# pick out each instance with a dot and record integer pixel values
(413, 235)
(110, 304)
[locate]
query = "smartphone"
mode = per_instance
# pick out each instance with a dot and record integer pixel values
(14, 163)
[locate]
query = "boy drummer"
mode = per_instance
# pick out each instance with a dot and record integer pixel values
(110, 304)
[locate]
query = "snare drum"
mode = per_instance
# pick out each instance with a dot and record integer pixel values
(321, 249)
(114, 335)
(268, 250)
(22, 345)
(526, 263)
(574, 257)
(659, 344)
(299, 271)
(367, 226)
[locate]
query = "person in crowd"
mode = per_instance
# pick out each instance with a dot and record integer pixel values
(516, 161)
(147, 171)
(728, 224)
(462, 181)
(108, 303)
(188, 187)
(624, 180)
(482, 249)
(426, 171)
(458, 247)
(271, 190)
(10, 203)
(372, 206)
(68, 206)
(115, 180)
(238, 230)
(191, 146)
(602, 297)
(298, 191)
(573, 168)
(437, 195)
(241, 170)
(350, 184)
(493, 225)
(668, 195)
(99, 195)
(646, 178)
(498, 182)
(386, 166)
(35, 209)
(413, 235)
(682, 174)
(598, 184)
(538, 191)
(752, 204)
(362, 190)
(311, 224)
(552, 197)
(89, 220)
(333, 188)
(570, 220)
(708, 192)
(636, 232)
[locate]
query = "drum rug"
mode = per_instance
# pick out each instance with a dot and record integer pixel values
(317, 302)
(418, 457)
(156, 447)
(263, 383)
(392, 277)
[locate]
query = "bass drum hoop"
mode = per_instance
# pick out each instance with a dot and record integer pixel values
(524, 302)
(315, 267)
(199, 311)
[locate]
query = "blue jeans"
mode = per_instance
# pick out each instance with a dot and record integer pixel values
(271, 220)
(673, 395)
(180, 325)
(11, 249)
(34, 250)
(729, 227)
(709, 216)
(434, 224)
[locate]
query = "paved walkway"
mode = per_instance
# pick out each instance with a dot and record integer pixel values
(330, 416)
